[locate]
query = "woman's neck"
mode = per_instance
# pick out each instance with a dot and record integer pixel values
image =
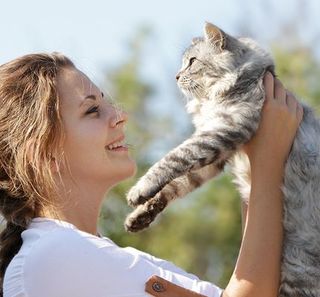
(79, 205)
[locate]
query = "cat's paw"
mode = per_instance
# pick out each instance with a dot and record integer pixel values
(135, 196)
(144, 214)
(138, 220)
(140, 193)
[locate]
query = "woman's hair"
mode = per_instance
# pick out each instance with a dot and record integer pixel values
(31, 133)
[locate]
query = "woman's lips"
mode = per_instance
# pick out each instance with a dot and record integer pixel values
(119, 149)
(117, 145)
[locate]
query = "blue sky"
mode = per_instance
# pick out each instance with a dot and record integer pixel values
(95, 33)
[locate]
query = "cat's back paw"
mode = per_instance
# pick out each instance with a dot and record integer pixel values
(138, 220)
(145, 214)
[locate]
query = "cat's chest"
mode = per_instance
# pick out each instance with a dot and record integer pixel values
(205, 115)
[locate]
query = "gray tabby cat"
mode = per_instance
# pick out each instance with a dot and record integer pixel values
(223, 78)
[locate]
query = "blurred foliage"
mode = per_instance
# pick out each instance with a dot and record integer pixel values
(299, 71)
(202, 232)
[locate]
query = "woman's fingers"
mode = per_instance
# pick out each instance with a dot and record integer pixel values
(300, 113)
(279, 91)
(280, 119)
(295, 106)
(275, 91)
(268, 86)
(291, 102)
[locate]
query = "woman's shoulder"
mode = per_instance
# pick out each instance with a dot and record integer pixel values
(63, 259)
(60, 239)
(57, 256)
(58, 247)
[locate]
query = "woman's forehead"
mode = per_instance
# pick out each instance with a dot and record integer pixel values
(73, 85)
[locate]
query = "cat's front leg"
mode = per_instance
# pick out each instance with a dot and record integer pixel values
(144, 214)
(201, 149)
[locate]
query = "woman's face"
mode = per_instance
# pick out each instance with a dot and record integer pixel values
(94, 145)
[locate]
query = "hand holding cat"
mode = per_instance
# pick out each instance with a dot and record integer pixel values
(281, 116)
(267, 151)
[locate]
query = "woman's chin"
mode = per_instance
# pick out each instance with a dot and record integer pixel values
(131, 170)
(126, 171)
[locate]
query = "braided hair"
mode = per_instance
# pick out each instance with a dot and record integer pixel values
(31, 132)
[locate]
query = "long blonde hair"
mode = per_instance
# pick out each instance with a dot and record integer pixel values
(31, 132)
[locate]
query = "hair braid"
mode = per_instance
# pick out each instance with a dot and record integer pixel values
(17, 213)
(31, 130)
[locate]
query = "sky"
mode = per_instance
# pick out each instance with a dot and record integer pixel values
(95, 33)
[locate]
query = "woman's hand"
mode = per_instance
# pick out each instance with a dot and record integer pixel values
(257, 272)
(280, 119)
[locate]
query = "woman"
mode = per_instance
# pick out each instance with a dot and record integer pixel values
(62, 148)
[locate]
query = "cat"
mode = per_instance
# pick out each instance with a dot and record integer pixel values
(223, 78)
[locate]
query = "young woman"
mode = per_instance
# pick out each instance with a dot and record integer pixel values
(62, 148)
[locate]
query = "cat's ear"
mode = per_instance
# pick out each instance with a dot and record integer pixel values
(215, 36)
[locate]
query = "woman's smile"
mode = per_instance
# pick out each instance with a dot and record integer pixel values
(88, 132)
(117, 145)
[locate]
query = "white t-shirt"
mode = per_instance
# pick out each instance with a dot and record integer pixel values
(58, 260)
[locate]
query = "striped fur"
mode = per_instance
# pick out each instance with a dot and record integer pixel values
(222, 79)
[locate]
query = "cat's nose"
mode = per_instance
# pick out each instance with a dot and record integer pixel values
(178, 76)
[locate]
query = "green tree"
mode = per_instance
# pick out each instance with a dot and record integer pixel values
(299, 69)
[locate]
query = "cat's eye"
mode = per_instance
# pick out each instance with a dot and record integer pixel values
(192, 60)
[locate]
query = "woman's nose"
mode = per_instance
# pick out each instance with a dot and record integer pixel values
(119, 117)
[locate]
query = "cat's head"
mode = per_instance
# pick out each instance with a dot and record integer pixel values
(214, 61)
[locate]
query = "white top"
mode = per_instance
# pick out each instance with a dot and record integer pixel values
(58, 260)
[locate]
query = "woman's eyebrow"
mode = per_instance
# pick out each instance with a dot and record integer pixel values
(90, 97)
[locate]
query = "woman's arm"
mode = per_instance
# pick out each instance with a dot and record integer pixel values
(257, 272)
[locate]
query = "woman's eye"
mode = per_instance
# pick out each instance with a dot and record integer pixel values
(93, 110)
(192, 60)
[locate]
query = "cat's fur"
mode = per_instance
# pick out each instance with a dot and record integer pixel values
(222, 76)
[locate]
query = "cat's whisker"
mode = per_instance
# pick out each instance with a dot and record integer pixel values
(196, 92)
(197, 89)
